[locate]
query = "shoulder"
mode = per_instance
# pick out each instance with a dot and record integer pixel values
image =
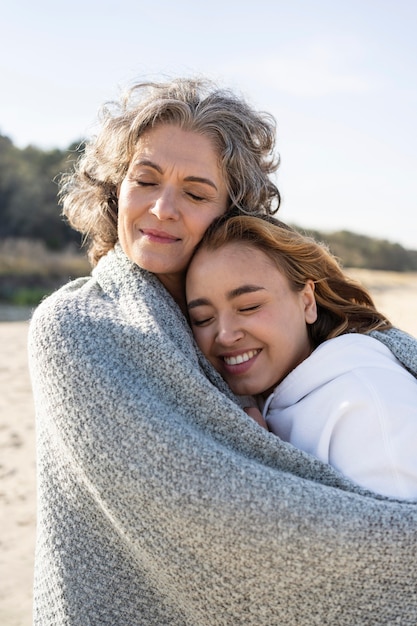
(65, 301)
(341, 354)
(402, 345)
(357, 350)
(333, 362)
(61, 317)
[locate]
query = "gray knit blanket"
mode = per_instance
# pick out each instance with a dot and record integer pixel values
(162, 503)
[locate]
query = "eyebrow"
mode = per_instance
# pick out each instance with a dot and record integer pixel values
(234, 293)
(191, 179)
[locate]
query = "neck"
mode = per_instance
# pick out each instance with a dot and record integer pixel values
(175, 285)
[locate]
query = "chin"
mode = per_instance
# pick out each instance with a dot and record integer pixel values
(243, 390)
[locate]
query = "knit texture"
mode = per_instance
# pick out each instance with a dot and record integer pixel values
(161, 502)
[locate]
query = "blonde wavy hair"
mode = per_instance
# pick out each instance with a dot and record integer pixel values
(244, 138)
(343, 305)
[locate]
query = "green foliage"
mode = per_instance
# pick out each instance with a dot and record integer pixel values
(27, 296)
(28, 194)
(29, 211)
(354, 250)
(29, 270)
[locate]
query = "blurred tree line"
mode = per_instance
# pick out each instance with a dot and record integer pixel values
(354, 250)
(28, 193)
(29, 210)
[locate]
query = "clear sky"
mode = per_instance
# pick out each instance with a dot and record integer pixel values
(340, 76)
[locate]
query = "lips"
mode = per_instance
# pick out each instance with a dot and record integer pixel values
(158, 236)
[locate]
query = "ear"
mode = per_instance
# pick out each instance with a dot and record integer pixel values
(309, 301)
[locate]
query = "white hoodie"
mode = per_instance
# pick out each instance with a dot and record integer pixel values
(354, 406)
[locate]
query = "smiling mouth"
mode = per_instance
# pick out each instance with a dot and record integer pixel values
(241, 358)
(160, 236)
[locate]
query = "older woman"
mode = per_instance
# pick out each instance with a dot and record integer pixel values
(160, 500)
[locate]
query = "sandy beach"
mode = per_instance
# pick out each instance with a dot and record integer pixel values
(394, 294)
(17, 478)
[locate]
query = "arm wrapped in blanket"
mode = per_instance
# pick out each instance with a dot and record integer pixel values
(162, 502)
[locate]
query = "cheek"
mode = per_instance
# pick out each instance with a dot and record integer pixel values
(205, 339)
(197, 226)
(198, 221)
(121, 195)
(122, 211)
(202, 338)
(122, 223)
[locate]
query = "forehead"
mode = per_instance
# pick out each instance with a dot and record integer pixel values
(171, 143)
(235, 262)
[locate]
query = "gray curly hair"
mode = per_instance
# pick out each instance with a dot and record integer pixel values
(244, 138)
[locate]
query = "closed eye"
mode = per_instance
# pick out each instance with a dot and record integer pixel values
(144, 183)
(203, 322)
(250, 308)
(195, 197)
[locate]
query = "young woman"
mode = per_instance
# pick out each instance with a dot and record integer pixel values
(274, 313)
(153, 507)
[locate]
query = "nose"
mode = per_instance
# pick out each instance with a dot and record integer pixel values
(164, 206)
(228, 333)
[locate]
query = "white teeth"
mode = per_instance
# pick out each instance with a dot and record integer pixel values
(240, 358)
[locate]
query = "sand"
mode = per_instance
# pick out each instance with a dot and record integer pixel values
(394, 294)
(17, 478)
